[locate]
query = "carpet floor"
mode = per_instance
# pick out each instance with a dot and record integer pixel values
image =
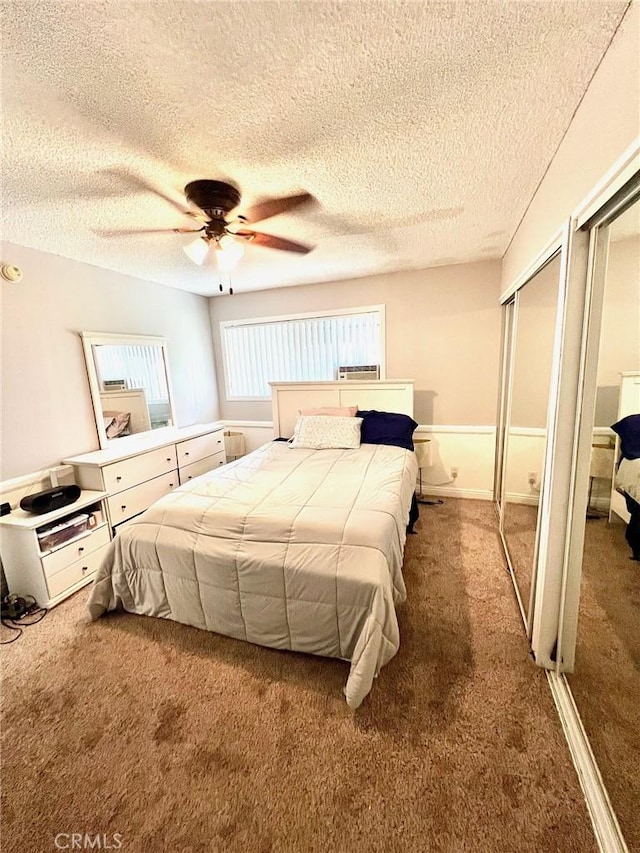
(187, 742)
(606, 681)
(520, 523)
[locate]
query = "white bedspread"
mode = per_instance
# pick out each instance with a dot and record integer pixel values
(628, 478)
(288, 548)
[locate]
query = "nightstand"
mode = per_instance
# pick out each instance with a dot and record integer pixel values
(36, 566)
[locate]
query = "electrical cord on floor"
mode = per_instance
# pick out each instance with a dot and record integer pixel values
(33, 613)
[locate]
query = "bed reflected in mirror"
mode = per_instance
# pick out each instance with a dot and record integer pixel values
(532, 334)
(129, 381)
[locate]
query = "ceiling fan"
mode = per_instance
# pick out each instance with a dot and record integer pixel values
(221, 238)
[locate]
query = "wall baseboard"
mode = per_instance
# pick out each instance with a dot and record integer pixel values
(605, 824)
(255, 424)
(450, 492)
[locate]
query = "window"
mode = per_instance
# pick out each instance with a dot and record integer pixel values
(134, 366)
(298, 347)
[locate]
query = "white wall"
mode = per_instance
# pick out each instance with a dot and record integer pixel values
(443, 330)
(620, 336)
(46, 406)
(605, 124)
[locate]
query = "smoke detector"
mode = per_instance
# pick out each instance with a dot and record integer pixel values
(10, 273)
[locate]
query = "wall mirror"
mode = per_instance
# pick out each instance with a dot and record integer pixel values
(129, 382)
(530, 329)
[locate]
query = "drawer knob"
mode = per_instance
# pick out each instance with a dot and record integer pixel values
(190, 477)
(80, 550)
(219, 441)
(118, 479)
(221, 462)
(168, 459)
(123, 507)
(85, 568)
(186, 453)
(170, 485)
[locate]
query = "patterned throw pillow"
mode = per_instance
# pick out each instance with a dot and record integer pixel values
(322, 432)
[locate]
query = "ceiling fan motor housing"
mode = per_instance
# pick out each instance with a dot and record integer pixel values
(216, 198)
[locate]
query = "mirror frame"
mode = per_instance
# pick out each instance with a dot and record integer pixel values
(91, 339)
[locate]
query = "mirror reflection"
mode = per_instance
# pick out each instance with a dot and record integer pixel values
(606, 678)
(129, 385)
(533, 332)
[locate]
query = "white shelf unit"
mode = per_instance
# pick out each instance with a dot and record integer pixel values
(53, 574)
(136, 474)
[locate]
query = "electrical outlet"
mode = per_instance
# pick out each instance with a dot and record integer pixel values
(454, 472)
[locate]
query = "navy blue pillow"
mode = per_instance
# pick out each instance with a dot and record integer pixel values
(629, 431)
(387, 428)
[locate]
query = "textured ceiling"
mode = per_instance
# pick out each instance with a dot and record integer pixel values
(422, 128)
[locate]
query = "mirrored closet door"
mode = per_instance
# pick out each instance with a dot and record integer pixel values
(529, 336)
(605, 681)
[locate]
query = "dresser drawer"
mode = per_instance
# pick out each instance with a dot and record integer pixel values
(57, 560)
(133, 501)
(81, 569)
(188, 472)
(199, 448)
(122, 475)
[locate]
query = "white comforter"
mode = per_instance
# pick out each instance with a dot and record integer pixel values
(288, 548)
(628, 478)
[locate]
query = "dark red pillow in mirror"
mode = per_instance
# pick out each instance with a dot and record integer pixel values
(629, 431)
(387, 428)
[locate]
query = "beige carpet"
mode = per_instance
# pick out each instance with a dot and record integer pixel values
(520, 523)
(184, 741)
(606, 682)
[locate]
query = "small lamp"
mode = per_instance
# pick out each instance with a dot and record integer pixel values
(233, 444)
(422, 449)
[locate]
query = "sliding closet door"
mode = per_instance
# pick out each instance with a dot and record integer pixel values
(530, 367)
(605, 681)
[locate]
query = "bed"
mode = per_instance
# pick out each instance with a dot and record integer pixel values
(288, 547)
(625, 498)
(627, 483)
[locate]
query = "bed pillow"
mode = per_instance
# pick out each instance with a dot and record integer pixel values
(629, 431)
(323, 432)
(116, 423)
(387, 428)
(335, 411)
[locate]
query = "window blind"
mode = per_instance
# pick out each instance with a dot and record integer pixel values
(297, 349)
(139, 366)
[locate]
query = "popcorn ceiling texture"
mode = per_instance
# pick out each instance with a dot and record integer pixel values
(422, 129)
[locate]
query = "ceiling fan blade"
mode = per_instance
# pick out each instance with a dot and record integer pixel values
(274, 206)
(143, 185)
(270, 241)
(123, 232)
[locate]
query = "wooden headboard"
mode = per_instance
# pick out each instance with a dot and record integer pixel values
(629, 400)
(385, 395)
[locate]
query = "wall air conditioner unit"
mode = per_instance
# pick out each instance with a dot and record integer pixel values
(360, 371)
(114, 384)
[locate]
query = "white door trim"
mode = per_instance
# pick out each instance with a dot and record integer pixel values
(603, 818)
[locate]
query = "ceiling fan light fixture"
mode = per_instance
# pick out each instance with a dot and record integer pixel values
(228, 252)
(197, 250)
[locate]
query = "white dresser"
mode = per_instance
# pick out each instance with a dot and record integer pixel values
(137, 471)
(51, 573)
